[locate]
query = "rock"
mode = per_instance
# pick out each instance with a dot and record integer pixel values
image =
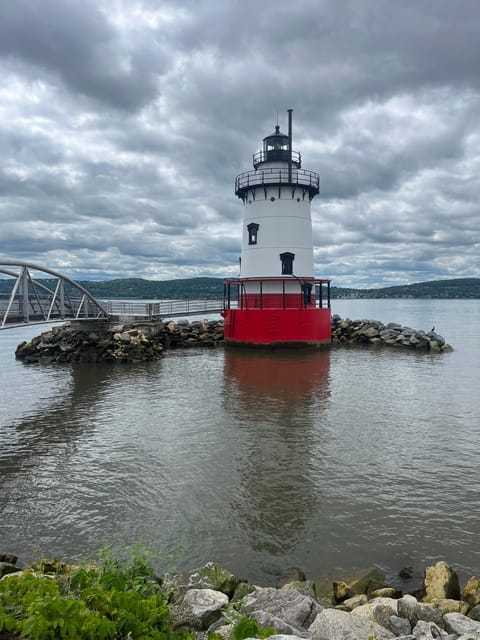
(6, 568)
(386, 592)
(471, 591)
(472, 635)
(399, 626)
(242, 590)
(211, 576)
(288, 605)
(355, 601)
(217, 578)
(8, 557)
(281, 636)
(307, 587)
(407, 608)
(223, 630)
(341, 591)
(292, 574)
(412, 610)
(199, 609)
(428, 630)
(368, 583)
(458, 623)
(332, 624)
(446, 605)
(475, 613)
(441, 581)
(266, 619)
(378, 612)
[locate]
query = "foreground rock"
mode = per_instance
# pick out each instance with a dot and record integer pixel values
(101, 341)
(211, 600)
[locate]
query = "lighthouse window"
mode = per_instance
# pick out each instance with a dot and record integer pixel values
(287, 259)
(252, 232)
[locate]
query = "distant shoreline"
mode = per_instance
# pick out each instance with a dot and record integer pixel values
(201, 288)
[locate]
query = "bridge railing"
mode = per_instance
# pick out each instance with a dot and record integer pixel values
(161, 309)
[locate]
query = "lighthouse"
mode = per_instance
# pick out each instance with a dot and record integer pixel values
(277, 300)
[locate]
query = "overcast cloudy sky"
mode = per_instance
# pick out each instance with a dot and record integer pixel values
(123, 124)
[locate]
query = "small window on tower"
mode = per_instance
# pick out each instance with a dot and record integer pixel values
(252, 232)
(287, 259)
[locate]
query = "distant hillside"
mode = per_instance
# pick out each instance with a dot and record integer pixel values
(455, 288)
(213, 288)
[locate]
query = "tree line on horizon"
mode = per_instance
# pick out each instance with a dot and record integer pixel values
(205, 287)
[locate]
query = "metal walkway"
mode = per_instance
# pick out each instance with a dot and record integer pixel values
(53, 298)
(27, 300)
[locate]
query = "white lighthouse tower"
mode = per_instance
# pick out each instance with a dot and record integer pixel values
(277, 299)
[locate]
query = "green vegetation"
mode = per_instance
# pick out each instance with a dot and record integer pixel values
(200, 288)
(111, 599)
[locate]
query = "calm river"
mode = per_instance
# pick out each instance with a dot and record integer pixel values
(331, 461)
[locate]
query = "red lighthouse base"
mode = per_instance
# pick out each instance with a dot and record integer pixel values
(288, 311)
(275, 327)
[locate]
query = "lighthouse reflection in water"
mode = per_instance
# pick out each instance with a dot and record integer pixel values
(277, 398)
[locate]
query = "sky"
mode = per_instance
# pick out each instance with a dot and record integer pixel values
(123, 124)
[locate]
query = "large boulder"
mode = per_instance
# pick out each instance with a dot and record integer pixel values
(441, 581)
(471, 591)
(289, 605)
(210, 576)
(378, 612)
(460, 624)
(199, 609)
(413, 611)
(341, 625)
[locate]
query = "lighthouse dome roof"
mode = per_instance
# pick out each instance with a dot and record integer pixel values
(276, 136)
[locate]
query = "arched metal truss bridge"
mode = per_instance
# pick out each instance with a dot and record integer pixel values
(47, 297)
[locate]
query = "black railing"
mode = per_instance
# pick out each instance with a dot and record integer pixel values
(275, 176)
(310, 293)
(276, 155)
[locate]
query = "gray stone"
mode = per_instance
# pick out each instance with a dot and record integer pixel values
(441, 581)
(472, 635)
(199, 609)
(458, 623)
(242, 590)
(475, 613)
(307, 587)
(281, 636)
(289, 605)
(332, 624)
(412, 610)
(266, 619)
(355, 601)
(377, 612)
(400, 626)
(8, 557)
(428, 630)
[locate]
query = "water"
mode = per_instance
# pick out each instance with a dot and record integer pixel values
(331, 461)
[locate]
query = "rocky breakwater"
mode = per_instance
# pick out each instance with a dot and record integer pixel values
(100, 341)
(374, 332)
(212, 602)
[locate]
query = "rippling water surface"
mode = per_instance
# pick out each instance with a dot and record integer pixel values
(329, 460)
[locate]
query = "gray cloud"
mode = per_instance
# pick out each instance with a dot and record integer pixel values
(123, 126)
